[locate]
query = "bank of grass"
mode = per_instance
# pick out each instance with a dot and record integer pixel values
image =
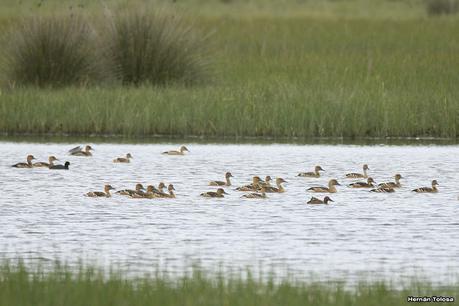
(278, 76)
(22, 285)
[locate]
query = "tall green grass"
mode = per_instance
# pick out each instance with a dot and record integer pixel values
(156, 47)
(22, 285)
(51, 51)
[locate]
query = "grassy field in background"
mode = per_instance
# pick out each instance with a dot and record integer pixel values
(20, 285)
(336, 69)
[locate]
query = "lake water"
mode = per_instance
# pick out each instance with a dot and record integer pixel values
(43, 213)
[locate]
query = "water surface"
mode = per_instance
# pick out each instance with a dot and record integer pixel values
(45, 215)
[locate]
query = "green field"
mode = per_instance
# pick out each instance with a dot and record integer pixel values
(281, 69)
(20, 285)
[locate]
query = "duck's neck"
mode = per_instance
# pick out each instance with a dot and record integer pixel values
(434, 188)
(365, 175)
(171, 194)
(331, 188)
(279, 186)
(29, 162)
(228, 182)
(107, 192)
(317, 173)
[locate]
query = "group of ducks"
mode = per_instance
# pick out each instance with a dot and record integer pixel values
(257, 189)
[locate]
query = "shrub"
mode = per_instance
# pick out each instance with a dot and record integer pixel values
(442, 7)
(51, 51)
(156, 48)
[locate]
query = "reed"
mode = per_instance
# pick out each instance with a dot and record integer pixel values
(22, 285)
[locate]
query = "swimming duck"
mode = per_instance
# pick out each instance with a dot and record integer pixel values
(395, 184)
(212, 194)
(220, 183)
(160, 189)
(256, 195)
(50, 163)
(105, 193)
(428, 189)
(251, 187)
(138, 188)
(279, 188)
(266, 182)
(126, 159)
(315, 200)
(383, 189)
(28, 164)
(148, 194)
(171, 193)
(60, 167)
(331, 187)
(368, 184)
(180, 151)
(316, 172)
(77, 151)
(359, 175)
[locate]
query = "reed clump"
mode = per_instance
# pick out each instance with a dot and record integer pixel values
(156, 47)
(442, 7)
(51, 51)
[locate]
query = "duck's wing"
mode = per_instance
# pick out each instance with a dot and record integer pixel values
(76, 149)
(423, 189)
(354, 175)
(41, 164)
(21, 165)
(318, 189)
(306, 174)
(217, 183)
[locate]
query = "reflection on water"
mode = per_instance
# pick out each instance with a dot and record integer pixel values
(44, 213)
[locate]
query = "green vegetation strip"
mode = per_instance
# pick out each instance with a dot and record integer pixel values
(20, 285)
(301, 76)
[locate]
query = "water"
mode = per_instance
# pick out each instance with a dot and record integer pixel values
(43, 213)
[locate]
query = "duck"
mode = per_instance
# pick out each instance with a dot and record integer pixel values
(77, 151)
(256, 195)
(60, 167)
(180, 151)
(160, 188)
(221, 183)
(359, 175)
(105, 193)
(171, 193)
(138, 187)
(50, 163)
(395, 184)
(266, 182)
(368, 184)
(148, 194)
(331, 187)
(28, 164)
(315, 200)
(316, 172)
(212, 194)
(251, 187)
(428, 189)
(126, 159)
(383, 190)
(278, 189)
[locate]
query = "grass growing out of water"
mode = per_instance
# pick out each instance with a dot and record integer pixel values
(21, 285)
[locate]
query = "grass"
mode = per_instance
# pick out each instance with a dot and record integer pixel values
(22, 285)
(329, 71)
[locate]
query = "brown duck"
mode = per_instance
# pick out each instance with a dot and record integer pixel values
(221, 183)
(28, 164)
(105, 193)
(316, 172)
(330, 189)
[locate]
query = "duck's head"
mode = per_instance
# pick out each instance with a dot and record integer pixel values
(221, 191)
(398, 176)
(327, 199)
(435, 183)
(30, 157)
(183, 148)
(365, 167)
(228, 175)
(256, 179)
(161, 185)
(280, 180)
(108, 187)
(150, 188)
(52, 158)
(67, 164)
(89, 148)
(139, 187)
(334, 182)
(319, 168)
(170, 187)
(370, 180)
(268, 179)
(128, 156)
